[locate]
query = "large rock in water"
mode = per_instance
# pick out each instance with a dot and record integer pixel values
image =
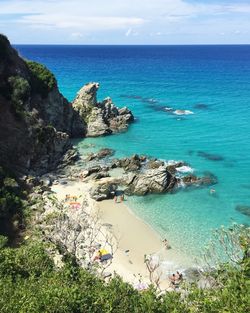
(151, 181)
(101, 118)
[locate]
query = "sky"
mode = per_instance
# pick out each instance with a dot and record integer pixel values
(126, 21)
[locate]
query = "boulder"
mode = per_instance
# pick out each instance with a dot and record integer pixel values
(154, 163)
(157, 180)
(103, 191)
(172, 168)
(131, 164)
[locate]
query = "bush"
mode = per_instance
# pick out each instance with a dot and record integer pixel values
(19, 93)
(29, 283)
(13, 212)
(43, 81)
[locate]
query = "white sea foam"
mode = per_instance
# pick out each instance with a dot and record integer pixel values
(183, 112)
(168, 109)
(172, 162)
(181, 184)
(185, 169)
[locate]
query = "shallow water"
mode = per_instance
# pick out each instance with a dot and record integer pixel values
(213, 82)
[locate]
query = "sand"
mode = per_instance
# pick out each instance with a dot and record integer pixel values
(134, 237)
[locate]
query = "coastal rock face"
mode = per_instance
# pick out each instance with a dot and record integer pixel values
(101, 118)
(157, 180)
(36, 121)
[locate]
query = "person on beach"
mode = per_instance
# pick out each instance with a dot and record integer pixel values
(172, 280)
(98, 256)
(166, 243)
(176, 279)
(122, 197)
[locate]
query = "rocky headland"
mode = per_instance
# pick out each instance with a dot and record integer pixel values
(37, 122)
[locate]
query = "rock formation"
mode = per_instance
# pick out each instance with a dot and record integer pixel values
(101, 154)
(37, 122)
(100, 118)
(156, 180)
(143, 175)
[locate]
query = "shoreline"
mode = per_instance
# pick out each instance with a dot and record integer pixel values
(135, 238)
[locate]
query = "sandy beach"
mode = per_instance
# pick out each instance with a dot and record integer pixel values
(135, 239)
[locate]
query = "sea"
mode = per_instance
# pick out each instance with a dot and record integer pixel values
(210, 85)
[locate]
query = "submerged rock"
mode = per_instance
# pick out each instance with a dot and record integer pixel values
(201, 106)
(191, 179)
(243, 209)
(209, 156)
(101, 154)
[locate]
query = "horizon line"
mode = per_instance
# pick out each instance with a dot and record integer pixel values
(86, 44)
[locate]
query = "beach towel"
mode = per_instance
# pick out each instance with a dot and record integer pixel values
(106, 257)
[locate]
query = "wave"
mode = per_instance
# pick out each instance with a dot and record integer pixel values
(185, 169)
(168, 109)
(183, 112)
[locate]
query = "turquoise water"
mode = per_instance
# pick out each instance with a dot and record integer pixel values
(181, 77)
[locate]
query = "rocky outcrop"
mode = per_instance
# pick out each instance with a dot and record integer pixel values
(172, 168)
(134, 163)
(156, 180)
(36, 121)
(208, 179)
(101, 154)
(143, 175)
(101, 118)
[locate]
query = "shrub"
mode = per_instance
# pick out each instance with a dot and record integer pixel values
(43, 81)
(19, 93)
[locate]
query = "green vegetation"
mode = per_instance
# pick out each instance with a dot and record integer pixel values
(12, 208)
(29, 283)
(43, 81)
(19, 93)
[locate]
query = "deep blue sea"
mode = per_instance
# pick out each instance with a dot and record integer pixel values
(213, 82)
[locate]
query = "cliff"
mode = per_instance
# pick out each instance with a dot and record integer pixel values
(37, 122)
